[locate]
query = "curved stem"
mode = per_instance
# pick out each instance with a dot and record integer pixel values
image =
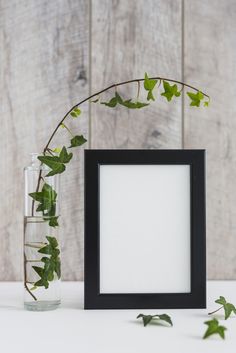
(25, 280)
(107, 89)
(213, 312)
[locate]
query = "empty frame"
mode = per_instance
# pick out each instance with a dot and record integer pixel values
(144, 229)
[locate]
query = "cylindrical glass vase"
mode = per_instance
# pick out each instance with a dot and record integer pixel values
(42, 265)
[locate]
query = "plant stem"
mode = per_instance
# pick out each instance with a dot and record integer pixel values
(107, 89)
(213, 312)
(25, 280)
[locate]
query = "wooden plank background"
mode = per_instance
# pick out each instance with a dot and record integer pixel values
(52, 54)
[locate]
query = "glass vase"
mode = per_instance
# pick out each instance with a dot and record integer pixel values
(42, 265)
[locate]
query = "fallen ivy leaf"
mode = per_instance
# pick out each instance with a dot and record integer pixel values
(148, 318)
(214, 328)
(228, 307)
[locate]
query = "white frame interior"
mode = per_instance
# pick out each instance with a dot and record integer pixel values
(145, 228)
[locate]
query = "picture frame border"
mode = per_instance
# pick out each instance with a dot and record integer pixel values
(93, 299)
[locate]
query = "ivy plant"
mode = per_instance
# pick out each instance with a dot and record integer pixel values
(147, 319)
(213, 328)
(229, 308)
(57, 159)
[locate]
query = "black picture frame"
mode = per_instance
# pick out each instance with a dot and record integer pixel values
(196, 298)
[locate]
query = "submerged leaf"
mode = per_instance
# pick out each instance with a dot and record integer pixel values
(52, 263)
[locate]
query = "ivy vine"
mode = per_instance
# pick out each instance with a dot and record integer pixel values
(57, 158)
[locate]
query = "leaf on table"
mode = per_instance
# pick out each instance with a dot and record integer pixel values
(228, 307)
(170, 91)
(195, 98)
(214, 328)
(160, 317)
(149, 85)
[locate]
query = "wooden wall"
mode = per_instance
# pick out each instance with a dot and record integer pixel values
(54, 53)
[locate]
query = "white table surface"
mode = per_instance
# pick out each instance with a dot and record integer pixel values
(72, 329)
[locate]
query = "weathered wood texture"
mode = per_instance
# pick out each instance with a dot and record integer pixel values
(210, 61)
(44, 70)
(129, 38)
(48, 50)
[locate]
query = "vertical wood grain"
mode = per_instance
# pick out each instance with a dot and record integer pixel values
(129, 38)
(43, 71)
(210, 62)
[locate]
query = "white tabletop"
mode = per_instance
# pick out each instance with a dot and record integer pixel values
(72, 329)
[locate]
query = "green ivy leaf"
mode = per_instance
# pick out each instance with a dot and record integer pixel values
(214, 328)
(228, 307)
(127, 103)
(39, 270)
(47, 203)
(64, 156)
(52, 221)
(149, 86)
(52, 241)
(112, 102)
(170, 91)
(41, 283)
(148, 318)
(77, 141)
(56, 163)
(195, 98)
(133, 105)
(75, 112)
(52, 263)
(206, 104)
